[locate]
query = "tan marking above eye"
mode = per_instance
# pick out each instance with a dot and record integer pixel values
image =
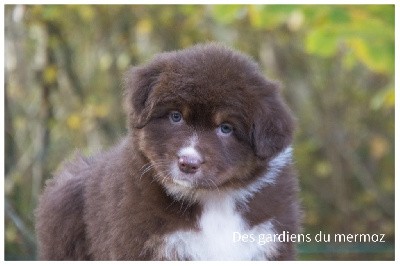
(219, 118)
(185, 111)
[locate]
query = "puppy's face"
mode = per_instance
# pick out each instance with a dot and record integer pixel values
(205, 118)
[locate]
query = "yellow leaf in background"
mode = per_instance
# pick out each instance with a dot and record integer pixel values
(11, 234)
(123, 61)
(74, 121)
(349, 60)
(255, 16)
(377, 55)
(186, 41)
(323, 168)
(322, 41)
(101, 110)
(366, 198)
(144, 26)
(50, 74)
(389, 98)
(383, 99)
(229, 13)
(378, 147)
(105, 61)
(86, 13)
(388, 184)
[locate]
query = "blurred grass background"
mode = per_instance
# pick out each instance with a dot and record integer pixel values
(63, 69)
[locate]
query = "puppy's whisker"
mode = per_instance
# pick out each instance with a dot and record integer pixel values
(153, 166)
(144, 166)
(149, 168)
(187, 205)
(172, 202)
(215, 185)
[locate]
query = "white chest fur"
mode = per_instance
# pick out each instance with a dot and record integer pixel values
(218, 225)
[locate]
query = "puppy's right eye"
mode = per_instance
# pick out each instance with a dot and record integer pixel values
(175, 117)
(225, 129)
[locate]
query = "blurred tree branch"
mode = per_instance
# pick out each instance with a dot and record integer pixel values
(67, 56)
(27, 234)
(10, 148)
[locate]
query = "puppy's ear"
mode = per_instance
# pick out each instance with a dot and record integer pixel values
(139, 82)
(273, 124)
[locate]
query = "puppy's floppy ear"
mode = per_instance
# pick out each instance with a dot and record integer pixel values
(273, 124)
(139, 82)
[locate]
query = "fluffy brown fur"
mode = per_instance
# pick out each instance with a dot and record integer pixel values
(122, 204)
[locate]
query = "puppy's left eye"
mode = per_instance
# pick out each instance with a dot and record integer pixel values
(225, 129)
(175, 116)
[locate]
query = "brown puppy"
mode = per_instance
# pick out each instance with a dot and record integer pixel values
(203, 173)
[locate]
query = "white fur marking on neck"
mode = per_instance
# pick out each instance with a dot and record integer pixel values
(215, 239)
(275, 166)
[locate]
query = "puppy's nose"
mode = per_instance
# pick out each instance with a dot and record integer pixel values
(189, 164)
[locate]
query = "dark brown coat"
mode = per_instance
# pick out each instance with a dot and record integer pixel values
(116, 205)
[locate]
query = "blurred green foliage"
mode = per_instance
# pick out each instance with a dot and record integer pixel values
(63, 69)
